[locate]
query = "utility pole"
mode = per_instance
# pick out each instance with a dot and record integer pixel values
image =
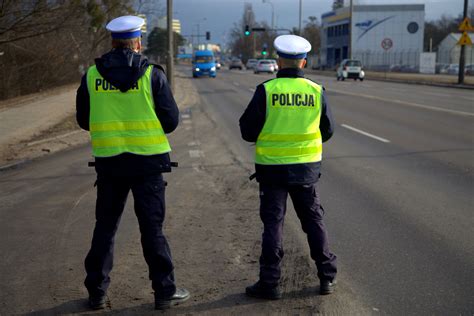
(169, 62)
(463, 52)
(273, 12)
(350, 30)
(199, 33)
(301, 9)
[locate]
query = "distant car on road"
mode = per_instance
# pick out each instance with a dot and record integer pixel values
(264, 65)
(251, 63)
(350, 68)
(236, 64)
(275, 64)
(204, 64)
(218, 65)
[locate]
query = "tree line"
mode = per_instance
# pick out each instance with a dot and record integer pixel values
(49, 43)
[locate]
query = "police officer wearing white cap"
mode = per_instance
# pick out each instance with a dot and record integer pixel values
(288, 118)
(126, 104)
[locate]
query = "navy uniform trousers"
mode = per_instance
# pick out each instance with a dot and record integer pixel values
(308, 209)
(149, 196)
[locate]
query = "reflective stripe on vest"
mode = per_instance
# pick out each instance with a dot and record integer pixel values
(291, 132)
(123, 122)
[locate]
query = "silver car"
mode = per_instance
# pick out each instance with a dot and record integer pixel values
(251, 63)
(264, 65)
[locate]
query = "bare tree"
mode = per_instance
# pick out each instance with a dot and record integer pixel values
(47, 43)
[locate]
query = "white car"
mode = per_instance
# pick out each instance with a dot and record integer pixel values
(264, 65)
(275, 64)
(350, 68)
(251, 63)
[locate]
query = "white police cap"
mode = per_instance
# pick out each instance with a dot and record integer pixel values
(124, 27)
(291, 46)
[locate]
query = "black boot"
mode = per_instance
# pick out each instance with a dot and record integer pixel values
(97, 301)
(179, 296)
(327, 287)
(259, 290)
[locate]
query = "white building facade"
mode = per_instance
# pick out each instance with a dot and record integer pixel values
(380, 35)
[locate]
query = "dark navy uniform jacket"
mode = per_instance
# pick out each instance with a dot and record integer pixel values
(251, 124)
(122, 68)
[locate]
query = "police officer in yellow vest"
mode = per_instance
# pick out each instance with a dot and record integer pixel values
(288, 119)
(126, 104)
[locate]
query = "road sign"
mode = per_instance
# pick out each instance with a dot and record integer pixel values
(466, 25)
(387, 43)
(465, 39)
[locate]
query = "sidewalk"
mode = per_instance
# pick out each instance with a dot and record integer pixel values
(414, 78)
(42, 123)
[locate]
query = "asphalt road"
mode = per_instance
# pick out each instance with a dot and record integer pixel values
(397, 185)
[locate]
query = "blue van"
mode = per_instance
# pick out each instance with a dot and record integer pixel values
(204, 64)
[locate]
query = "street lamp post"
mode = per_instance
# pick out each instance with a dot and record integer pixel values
(273, 12)
(199, 30)
(301, 13)
(169, 61)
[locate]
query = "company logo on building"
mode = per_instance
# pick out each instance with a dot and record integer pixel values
(364, 25)
(368, 25)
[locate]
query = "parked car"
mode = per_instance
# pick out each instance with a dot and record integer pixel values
(218, 65)
(441, 68)
(469, 70)
(204, 64)
(264, 65)
(251, 63)
(350, 68)
(453, 69)
(236, 64)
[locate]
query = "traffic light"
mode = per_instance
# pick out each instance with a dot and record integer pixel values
(208, 36)
(264, 50)
(247, 30)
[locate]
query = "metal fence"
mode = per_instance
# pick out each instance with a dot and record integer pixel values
(403, 61)
(409, 61)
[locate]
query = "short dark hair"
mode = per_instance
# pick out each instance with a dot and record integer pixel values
(130, 43)
(290, 63)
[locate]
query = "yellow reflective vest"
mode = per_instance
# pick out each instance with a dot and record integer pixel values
(124, 122)
(291, 132)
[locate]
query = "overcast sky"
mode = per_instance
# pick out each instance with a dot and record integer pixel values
(218, 16)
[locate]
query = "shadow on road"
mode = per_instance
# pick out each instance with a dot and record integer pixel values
(71, 307)
(232, 302)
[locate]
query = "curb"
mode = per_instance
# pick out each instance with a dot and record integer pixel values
(13, 165)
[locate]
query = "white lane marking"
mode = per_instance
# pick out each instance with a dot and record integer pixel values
(449, 95)
(365, 133)
(193, 153)
(437, 94)
(236, 83)
(251, 89)
(194, 143)
(417, 105)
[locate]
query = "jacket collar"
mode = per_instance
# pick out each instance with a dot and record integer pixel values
(290, 73)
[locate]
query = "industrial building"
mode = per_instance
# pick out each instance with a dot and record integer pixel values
(449, 52)
(381, 36)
